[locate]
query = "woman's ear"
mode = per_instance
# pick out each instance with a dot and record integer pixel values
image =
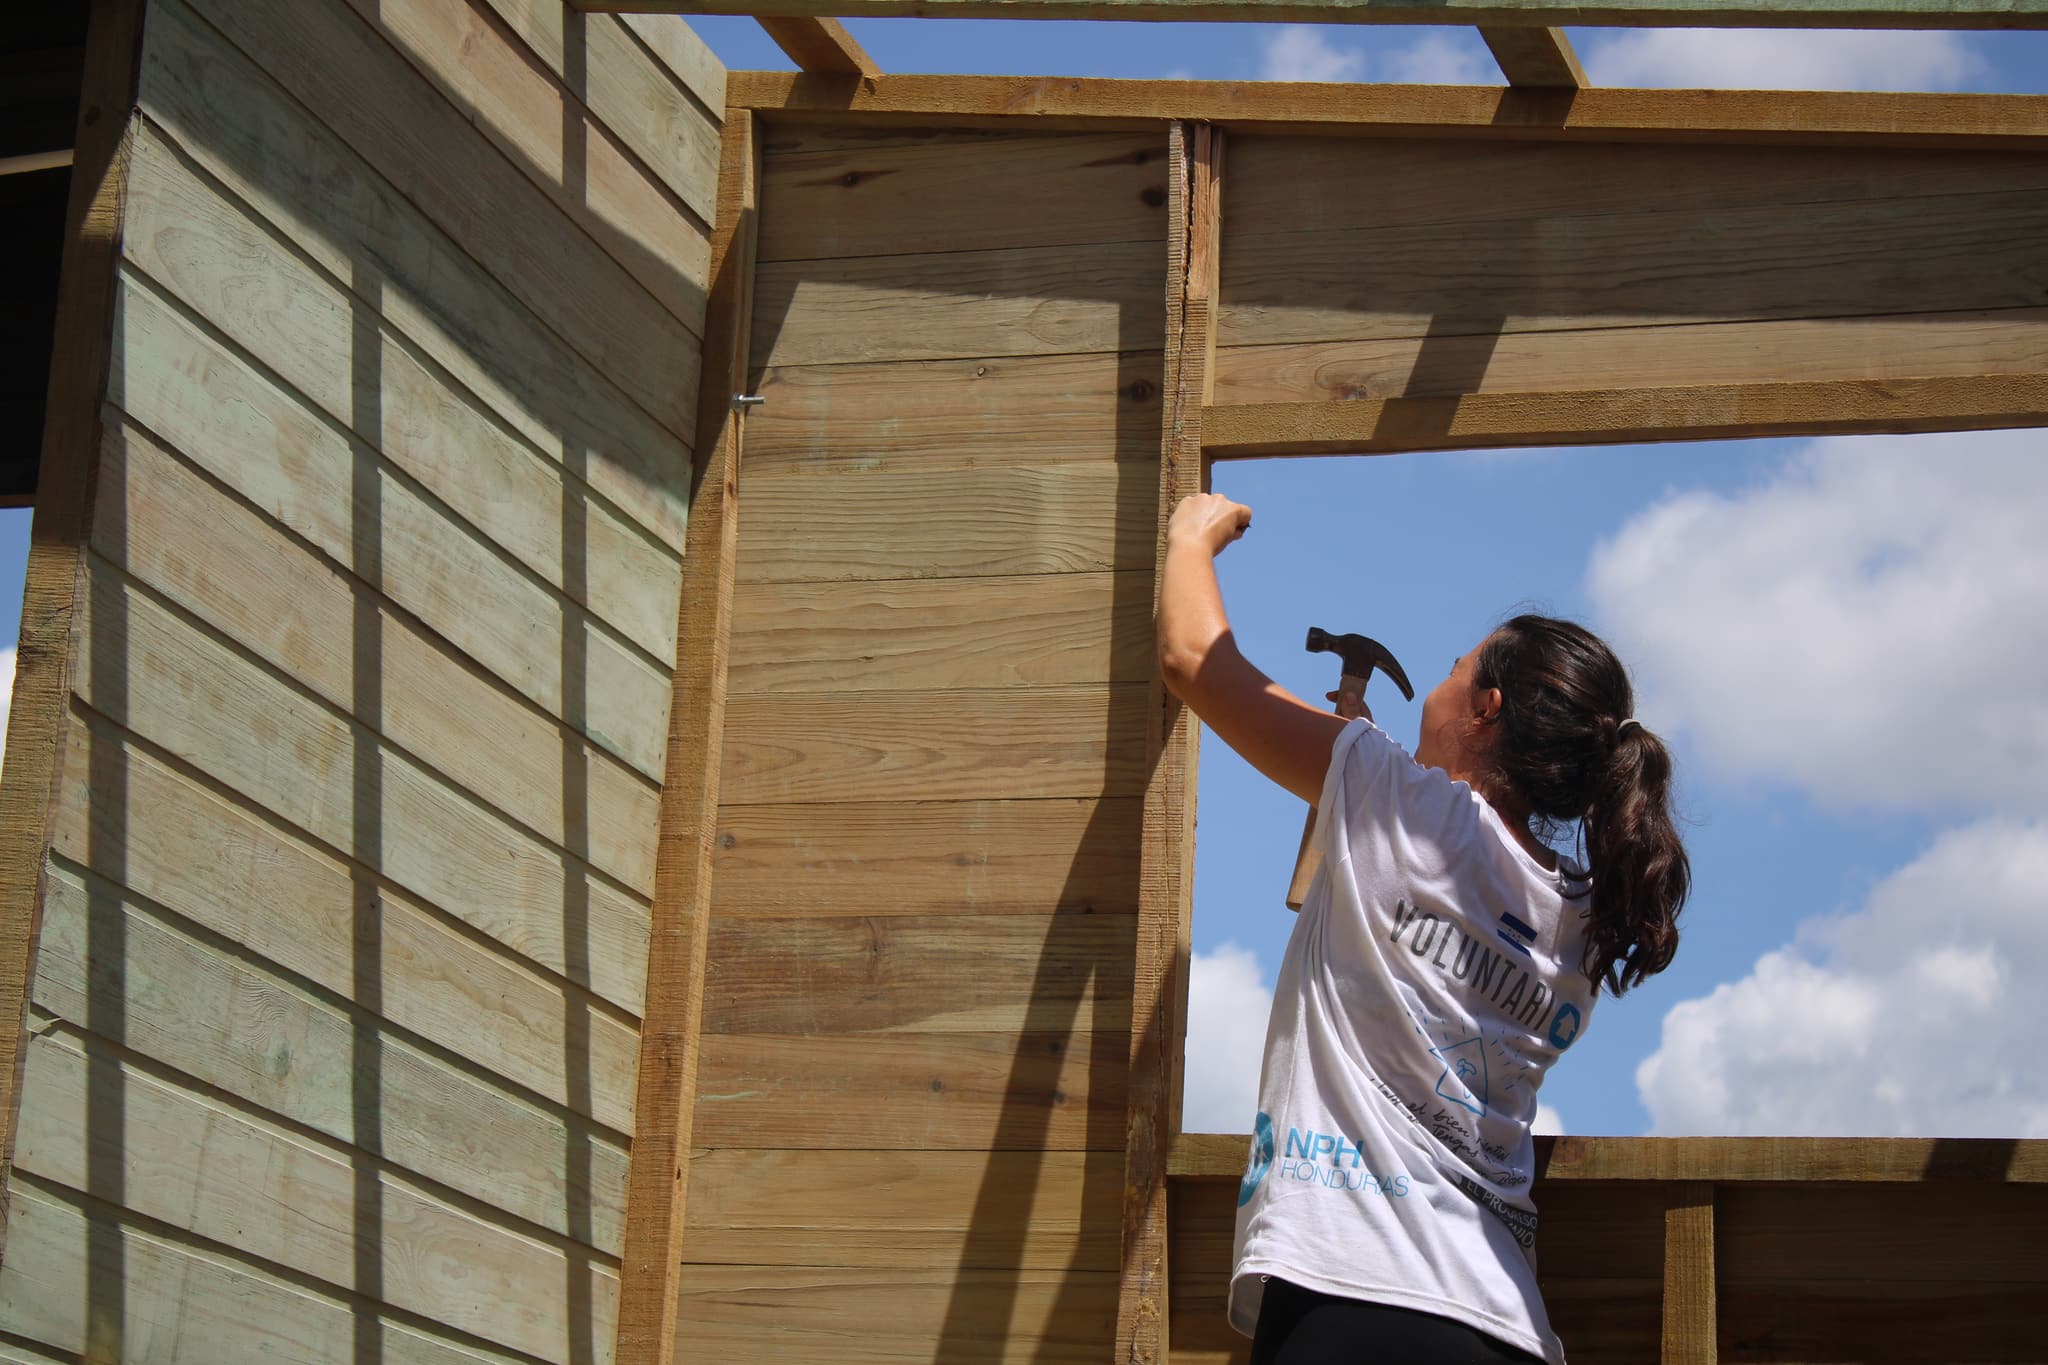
(1485, 704)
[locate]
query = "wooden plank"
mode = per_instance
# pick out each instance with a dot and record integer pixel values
(927, 417)
(1597, 115)
(1636, 270)
(348, 220)
(929, 857)
(212, 1170)
(670, 1041)
(202, 1303)
(309, 331)
(1882, 1235)
(1688, 1337)
(683, 55)
(1698, 413)
(221, 414)
(1962, 14)
(233, 873)
(899, 1317)
(909, 1209)
(911, 974)
(548, 132)
(199, 700)
(412, 136)
(1078, 740)
(1908, 346)
(1722, 1160)
(81, 354)
(1796, 1318)
(1072, 518)
(225, 564)
(1058, 1091)
(819, 45)
(228, 1022)
(643, 103)
(1028, 301)
(1035, 630)
(1537, 57)
(832, 193)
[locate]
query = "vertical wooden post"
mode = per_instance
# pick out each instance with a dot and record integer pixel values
(1167, 867)
(82, 354)
(1689, 1274)
(658, 1180)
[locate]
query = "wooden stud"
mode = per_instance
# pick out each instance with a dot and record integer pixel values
(1600, 114)
(81, 353)
(1706, 412)
(1689, 1274)
(658, 1182)
(1538, 58)
(820, 46)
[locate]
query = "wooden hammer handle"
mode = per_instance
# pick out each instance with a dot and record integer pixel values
(1350, 705)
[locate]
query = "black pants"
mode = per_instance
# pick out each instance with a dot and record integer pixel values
(1300, 1326)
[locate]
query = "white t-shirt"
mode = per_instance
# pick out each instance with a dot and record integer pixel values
(1432, 979)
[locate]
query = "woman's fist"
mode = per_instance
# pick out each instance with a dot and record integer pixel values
(1209, 520)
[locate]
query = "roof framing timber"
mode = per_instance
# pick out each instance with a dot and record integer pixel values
(1541, 58)
(820, 46)
(1485, 13)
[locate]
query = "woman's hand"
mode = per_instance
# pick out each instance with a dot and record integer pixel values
(1209, 520)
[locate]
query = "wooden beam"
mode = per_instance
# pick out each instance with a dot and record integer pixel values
(35, 161)
(1600, 114)
(1707, 412)
(1538, 58)
(1220, 1156)
(650, 1273)
(1689, 1275)
(81, 356)
(822, 47)
(1971, 14)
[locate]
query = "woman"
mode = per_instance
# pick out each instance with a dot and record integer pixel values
(1445, 958)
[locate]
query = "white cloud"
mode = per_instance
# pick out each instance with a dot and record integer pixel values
(1548, 1120)
(1439, 59)
(1771, 59)
(1903, 1018)
(1228, 1001)
(1866, 625)
(6, 694)
(1297, 52)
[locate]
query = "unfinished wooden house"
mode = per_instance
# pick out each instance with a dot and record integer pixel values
(588, 779)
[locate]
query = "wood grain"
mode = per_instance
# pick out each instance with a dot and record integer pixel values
(928, 857)
(318, 194)
(230, 1023)
(1029, 301)
(827, 194)
(934, 746)
(1688, 1329)
(819, 44)
(1538, 57)
(683, 55)
(1036, 630)
(985, 523)
(932, 417)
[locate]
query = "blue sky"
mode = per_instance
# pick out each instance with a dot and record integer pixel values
(1865, 814)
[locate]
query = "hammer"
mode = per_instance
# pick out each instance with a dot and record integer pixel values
(1361, 655)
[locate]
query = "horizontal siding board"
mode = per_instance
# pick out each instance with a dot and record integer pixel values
(934, 746)
(909, 1209)
(234, 873)
(306, 329)
(911, 522)
(1039, 630)
(1027, 301)
(930, 418)
(899, 974)
(228, 565)
(1059, 1091)
(229, 1023)
(829, 192)
(928, 858)
(177, 687)
(205, 1168)
(298, 468)
(683, 55)
(317, 194)
(1883, 1235)
(414, 138)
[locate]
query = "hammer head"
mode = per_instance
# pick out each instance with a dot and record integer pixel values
(1361, 656)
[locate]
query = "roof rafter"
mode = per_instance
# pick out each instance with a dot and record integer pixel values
(1540, 58)
(818, 45)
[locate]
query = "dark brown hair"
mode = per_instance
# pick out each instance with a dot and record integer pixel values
(1558, 744)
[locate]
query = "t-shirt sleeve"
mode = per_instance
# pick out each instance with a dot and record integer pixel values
(1359, 755)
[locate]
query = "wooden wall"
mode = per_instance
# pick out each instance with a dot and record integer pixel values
(910, 1121)
(350, 840)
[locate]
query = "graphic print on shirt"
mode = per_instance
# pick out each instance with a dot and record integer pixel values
(1261, 1159)
(1464, 1078)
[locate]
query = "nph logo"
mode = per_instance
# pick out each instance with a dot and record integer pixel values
(1304, 1158)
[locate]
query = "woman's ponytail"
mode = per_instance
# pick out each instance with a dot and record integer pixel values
(1566, 745)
